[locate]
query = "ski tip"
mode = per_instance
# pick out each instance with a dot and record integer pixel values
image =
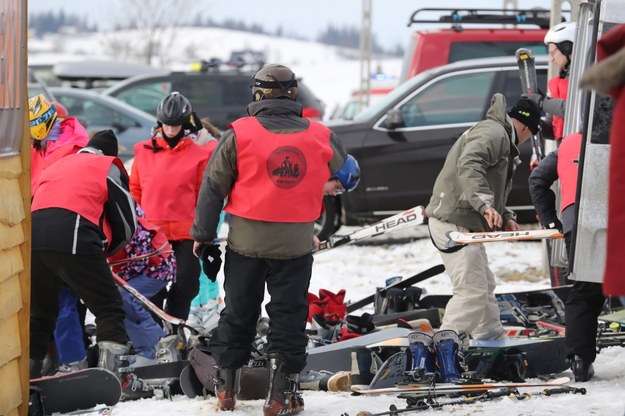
(524, 53)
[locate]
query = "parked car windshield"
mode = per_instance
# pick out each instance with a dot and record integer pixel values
(392, 96)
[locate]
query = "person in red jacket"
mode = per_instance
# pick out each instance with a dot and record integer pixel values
(53, 137)
(165, 180)
(559, 40)
(585, 301)
(271, 167)
(81, 212)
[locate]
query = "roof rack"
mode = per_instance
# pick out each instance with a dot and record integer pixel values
(458, 17)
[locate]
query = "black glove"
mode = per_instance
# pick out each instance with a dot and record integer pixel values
(210, 255)
(193, 124)
(554, 225)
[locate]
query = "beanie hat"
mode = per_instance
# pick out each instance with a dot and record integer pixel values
(105, 141)
(527, 112)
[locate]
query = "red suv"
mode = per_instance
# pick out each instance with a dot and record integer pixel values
(431, 48)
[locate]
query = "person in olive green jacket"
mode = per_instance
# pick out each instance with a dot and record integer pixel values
(470, 195)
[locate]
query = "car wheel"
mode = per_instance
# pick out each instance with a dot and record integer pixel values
(328, 222)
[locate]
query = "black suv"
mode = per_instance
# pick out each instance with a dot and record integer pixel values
(401, 142)
(222, 96)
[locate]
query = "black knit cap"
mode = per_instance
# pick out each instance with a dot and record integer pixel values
(106, 141)
(527, 112)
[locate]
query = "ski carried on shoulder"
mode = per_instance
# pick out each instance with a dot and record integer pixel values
(409, 218)
(445, 388)
(529, 85)
(456, 237)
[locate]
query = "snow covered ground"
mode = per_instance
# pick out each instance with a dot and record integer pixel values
(358, 270)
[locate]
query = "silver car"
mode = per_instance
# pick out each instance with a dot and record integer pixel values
(99, 112)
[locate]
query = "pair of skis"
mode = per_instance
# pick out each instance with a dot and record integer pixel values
(448, 388)
(529, 85)
(417, 404)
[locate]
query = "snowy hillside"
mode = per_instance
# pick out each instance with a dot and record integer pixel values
(325, 69)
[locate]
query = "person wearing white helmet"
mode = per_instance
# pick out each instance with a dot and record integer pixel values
(559, 40)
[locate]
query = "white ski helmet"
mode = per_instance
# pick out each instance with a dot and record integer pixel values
(562, 35)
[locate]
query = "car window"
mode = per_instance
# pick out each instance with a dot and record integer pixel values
(90, 113)
(460, 51)
(512, 84)
(455, 99)
(146, 96)
(215, 92)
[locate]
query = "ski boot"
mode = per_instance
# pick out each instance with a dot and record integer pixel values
(35, 367)
(326, 381)
(227, 387)
(364, 367)
(169, 349)
(420, 346)
(583, 370)
(447, 345)
(283, 397)
(134, 388)
(111, 356)
(412, 296)
(73, 366)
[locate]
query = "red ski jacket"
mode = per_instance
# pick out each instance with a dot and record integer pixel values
(568, 166)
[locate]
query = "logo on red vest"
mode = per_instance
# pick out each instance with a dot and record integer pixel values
(286, 166)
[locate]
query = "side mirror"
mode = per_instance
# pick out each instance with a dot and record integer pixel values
(394, 119)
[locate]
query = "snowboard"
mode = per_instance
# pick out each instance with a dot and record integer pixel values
(432, 315)
(531, 298)
(78, 390)
(189, 383)
(545, 355)
(391, 371)
(337, 356)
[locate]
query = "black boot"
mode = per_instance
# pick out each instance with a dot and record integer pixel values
(283, 397)
(35, 367)
(227, 386)
(582, 369)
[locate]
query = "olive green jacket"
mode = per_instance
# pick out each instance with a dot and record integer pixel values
(477, 173)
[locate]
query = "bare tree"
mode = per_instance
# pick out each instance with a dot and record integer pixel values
(158, 22)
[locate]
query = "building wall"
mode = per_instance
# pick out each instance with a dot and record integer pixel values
(14, 212)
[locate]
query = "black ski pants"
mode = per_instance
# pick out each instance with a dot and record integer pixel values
(187, 284)
(244, 286)
(90, 278)
(583, 306)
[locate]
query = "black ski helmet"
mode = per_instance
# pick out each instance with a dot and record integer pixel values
(174, 110)
(274, 81)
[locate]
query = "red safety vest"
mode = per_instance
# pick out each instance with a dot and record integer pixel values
(281, 176)
(568, 158)
(166, 184)
(83, 177)
(558, 88)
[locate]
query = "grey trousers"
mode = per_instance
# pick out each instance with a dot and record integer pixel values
(473, 307)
